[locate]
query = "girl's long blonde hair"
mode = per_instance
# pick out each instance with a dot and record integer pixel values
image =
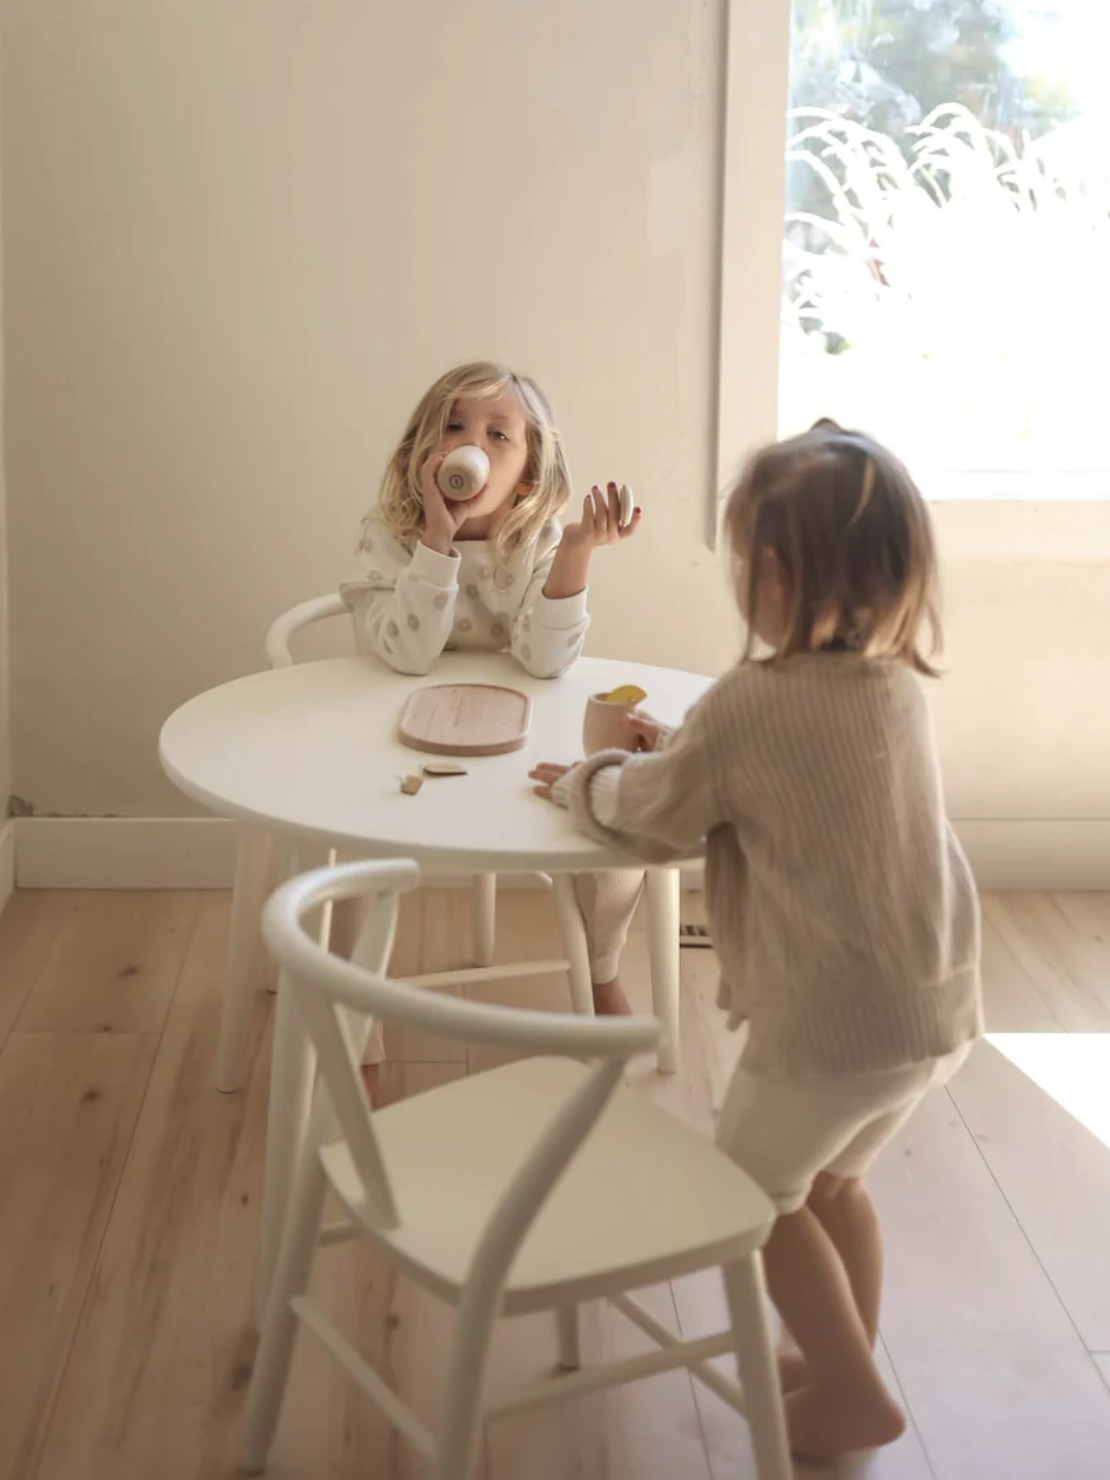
(851, 533)
(546, 482)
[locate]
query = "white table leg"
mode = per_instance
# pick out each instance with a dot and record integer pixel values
(664, 906)
(483, 917)
(281, 851)
(291, 1078)
(244, 955)
(572, 928)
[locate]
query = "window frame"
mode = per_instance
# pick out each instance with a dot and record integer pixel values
(1007, 519)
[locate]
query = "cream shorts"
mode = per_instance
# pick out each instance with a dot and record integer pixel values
(785, 1132)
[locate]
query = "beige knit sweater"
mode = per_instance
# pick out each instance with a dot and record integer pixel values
(842, 908)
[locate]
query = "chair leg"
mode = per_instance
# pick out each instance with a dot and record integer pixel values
(664, 911)
(483, 917)
(462, 1410)
(573, 932)
(751, 1330)
(570, 1345)
(244, 954)
(279, 1332)
(291, 1076)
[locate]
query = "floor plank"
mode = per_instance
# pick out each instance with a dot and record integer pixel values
(646, 1431)
(1059, 961)
(700, 1304)
(997, 1379)
(68, 1107)
(114, 965)
(29, 927)
(1011, 1000)
(329, 1430)
(1052, 1169)
(1089, 917)
(992, 1200)
(155, 1379)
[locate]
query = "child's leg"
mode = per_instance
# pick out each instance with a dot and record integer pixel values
(842, 1203)
(844, 1404)
(608, 901)
(824, 1280)
(845, 1211)
(843, 1207)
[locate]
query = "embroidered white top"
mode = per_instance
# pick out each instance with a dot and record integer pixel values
(412, 605)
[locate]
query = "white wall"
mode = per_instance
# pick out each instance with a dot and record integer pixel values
(241, 238)
(5, 723)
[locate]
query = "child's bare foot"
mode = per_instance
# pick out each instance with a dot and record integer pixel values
(825, 1424)
(610, 1001)
(372, 1081)
(793, 1372)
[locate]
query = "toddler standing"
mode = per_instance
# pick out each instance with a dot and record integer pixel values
(841, 906)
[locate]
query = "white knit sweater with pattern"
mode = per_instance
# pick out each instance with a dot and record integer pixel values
(842, 908)
(413, 605)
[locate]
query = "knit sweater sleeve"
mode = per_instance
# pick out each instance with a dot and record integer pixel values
(548, 634)
(664, 805)
(404, 608)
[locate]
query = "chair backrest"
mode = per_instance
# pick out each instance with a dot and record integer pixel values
(337, 1001)
(281, 634)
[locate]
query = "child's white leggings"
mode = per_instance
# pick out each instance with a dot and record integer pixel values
(607, 901)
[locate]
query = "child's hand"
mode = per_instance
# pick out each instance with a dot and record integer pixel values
(443, 518)
(601, 522)
(646, 729)
(600, 525)
(546, 776)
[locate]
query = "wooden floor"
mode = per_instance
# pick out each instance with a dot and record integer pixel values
(129, 1196)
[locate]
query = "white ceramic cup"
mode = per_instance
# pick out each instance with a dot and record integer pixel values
(463, 473)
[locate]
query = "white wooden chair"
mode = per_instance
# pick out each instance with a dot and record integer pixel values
(531, 1187)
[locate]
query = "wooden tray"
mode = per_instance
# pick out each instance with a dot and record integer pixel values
(466, 719)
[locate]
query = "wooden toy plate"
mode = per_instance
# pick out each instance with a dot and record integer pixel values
(466, 719)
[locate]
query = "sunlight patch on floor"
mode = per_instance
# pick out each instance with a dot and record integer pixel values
(1074, 1068)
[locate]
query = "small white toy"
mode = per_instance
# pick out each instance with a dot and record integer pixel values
(627, 504)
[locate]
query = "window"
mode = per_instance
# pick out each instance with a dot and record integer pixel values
(946, 249)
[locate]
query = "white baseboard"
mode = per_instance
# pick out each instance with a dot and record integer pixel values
(199, 853)
(1017, 854)
(125, 853)
(7, 862)
(1064, 854)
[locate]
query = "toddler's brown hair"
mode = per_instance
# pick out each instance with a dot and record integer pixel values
(852, 535)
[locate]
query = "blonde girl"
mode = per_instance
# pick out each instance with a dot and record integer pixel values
(492, 573)
(842, 908)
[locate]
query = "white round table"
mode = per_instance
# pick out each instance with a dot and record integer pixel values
(310, 752)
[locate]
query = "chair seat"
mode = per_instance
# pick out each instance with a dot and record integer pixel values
(645, 1198)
